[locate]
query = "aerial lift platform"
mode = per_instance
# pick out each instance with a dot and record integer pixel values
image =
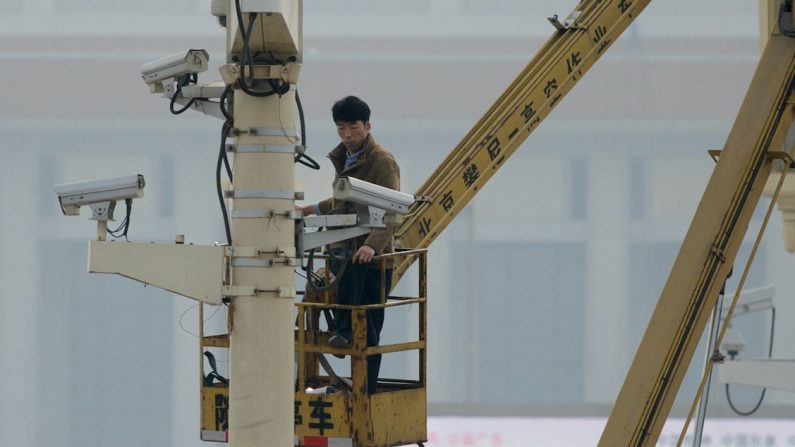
(396, 414)
(330, 408)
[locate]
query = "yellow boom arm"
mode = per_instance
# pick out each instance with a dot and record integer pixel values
(714, 237)
(708, 251)
(577, 44)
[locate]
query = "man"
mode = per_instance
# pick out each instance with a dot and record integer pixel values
(359, 156)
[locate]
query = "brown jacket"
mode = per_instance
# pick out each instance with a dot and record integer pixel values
(374, 165)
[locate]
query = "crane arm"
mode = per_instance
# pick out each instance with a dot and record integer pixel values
(576, 45)
(707, 252)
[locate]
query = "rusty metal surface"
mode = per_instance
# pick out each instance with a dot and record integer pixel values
(395, 414)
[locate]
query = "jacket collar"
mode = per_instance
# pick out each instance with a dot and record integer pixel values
(339, 153)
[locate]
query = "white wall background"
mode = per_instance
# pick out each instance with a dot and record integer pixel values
(540, 290)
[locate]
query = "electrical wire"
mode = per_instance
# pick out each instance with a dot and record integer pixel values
(275, 89)
(221, 157)
(224, 101)
(124, 225)
(119, 231)
(786, 7)
(239, 16)
(322, 358)
(246, 81)
(764, 390)
(247, 59)
(185, 312)
(226, 161)
(277, 86)
(182, 315)
(213, 375)
(303, 158)
(301, 119)
(227, 166)
(317, 283)
(222, 104)
(295, 139)
(182, 81)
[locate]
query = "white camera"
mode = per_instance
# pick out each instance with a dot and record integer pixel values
(183, 63)
(100, 195)
(364, 193)
(733, 343)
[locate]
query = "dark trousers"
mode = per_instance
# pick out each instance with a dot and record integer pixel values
(360, 285)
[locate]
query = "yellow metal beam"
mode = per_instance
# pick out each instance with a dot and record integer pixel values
(552, 73)
(707, 253)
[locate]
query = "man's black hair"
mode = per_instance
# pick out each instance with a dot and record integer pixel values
(349, 110)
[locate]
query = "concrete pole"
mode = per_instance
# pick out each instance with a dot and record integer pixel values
(261, 338)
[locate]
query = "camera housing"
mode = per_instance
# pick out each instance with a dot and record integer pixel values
(101, 195)
(365, 193)
(170, 67)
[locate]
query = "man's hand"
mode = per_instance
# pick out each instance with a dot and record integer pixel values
(363, 255)
(305, 210)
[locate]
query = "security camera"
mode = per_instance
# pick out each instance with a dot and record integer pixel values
(364, 193)
(100, 195)
(169, 67)
(734, 342)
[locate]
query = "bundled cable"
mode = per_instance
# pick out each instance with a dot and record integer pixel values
(318, 283)
(277, 87)
(124, 225)
(303, 158)
(340, 256)
(213, 375)
(188, 79)
(246, 81)
(224, 103)
(222, 159)
(784, 16)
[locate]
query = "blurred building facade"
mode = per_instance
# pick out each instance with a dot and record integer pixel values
(541, 289)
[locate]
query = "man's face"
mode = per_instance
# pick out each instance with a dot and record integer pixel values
(353, 134)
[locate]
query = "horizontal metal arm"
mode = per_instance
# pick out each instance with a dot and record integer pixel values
(193, 271)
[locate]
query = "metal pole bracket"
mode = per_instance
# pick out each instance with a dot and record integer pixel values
(264, 194)
(238, 291)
